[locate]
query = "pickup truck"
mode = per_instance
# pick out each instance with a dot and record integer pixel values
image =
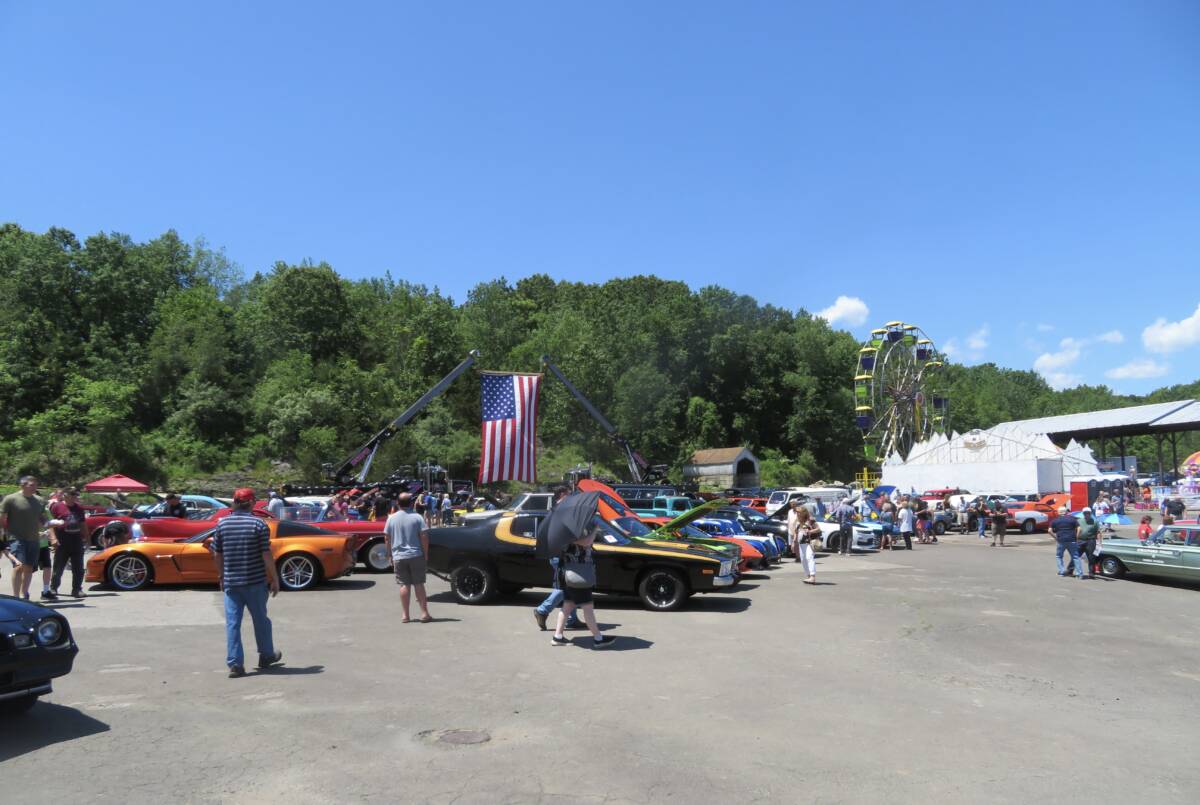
(668, 506)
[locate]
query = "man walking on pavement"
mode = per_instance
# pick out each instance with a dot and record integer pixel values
(408, 538)
(69, 537)
(904, 522)
(22, 515)
(241, 547)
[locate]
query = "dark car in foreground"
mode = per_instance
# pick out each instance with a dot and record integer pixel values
(35, 646)
(483, 559)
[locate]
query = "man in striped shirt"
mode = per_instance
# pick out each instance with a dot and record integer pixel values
(241, 547)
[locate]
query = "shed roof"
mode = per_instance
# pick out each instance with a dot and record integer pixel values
(1131, 421)
(720, 455)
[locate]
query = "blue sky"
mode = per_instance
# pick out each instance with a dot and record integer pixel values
(1019, 178)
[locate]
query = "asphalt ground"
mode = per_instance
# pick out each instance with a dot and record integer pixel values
(954, 673)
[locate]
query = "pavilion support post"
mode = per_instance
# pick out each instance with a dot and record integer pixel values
(1121, 444)
(1103, 451)
(1158, 444)
(1174, 456)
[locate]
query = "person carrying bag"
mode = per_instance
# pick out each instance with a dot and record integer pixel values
(577, 577)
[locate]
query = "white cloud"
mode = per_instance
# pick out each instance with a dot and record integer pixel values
(1045, 328)
(1069, 350)
(1169, 336)
(848, 309)
(1112, 337)
(978, 340)
(1136, 370)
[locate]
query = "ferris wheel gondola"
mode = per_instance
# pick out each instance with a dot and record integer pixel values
(898, 393)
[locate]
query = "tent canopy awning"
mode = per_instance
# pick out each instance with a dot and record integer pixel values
(116, 483)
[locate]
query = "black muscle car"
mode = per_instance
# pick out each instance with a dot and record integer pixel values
(35, 646)
(495, 556)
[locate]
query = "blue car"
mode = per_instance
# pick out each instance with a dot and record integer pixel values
(726, 528)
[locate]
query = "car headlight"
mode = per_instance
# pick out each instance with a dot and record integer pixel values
(726, 567)
(48, 632)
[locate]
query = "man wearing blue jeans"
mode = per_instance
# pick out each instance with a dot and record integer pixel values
(553, 600)
(241, 546)
(1066, 532)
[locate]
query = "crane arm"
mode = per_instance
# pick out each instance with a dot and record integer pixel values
(637, 465)
(362, 457)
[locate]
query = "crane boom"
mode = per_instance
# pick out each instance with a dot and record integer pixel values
(638, 466)
(364, 455)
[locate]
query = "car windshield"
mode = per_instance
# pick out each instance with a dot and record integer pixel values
(751, 514)
(201, 536)
(607, 533)
(631, 526)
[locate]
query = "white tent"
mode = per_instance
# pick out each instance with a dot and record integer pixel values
(1003, 459)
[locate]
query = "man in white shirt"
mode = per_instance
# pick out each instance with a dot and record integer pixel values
(904, 520)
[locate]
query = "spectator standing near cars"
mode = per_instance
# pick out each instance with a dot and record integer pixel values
(904, 521)
(844, 514)
(69, 537)
(807, 531)
(1088, 536)
(1176, 509)
(999, 522)
(22, 515)
(1145, 529)
(275, 505)
(241, 548)
(1066, 532)
(408, 538)
(174, 507)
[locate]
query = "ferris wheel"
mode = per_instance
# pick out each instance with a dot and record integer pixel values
(898, 396)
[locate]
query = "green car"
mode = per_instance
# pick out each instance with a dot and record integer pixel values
(1172, 552)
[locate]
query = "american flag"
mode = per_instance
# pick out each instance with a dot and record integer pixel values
(509, 428)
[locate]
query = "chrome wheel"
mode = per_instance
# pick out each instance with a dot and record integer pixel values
(379, 558)
(297, 572)
(662, 590)
(129, 572)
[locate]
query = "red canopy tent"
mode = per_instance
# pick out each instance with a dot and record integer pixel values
(116, 483)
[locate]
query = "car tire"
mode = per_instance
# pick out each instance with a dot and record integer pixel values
(128, 572)
(376, 557)
(662, 589)
(474, 583)
(14, 707)
(834, 543)
(97, 539)
(1028, 526)
(1112, 567)
(939, 528)
(298, 571)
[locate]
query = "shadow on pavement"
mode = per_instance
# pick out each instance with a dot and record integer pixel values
(344, 584)
(715, 602)
(46, 724)
(287, 670)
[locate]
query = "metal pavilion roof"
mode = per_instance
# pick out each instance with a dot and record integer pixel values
(1132, 421)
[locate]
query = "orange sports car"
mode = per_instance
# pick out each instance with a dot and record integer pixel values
(304, 556)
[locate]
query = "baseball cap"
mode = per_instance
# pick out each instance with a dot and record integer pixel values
(1087, 509)
(70, 490)
(244, 495)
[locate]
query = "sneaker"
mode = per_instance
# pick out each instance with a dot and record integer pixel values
(236, 671)
(555, 640)
(265, 662)
(540, 619)
(49, 595)
(604, 641)
(78, 594)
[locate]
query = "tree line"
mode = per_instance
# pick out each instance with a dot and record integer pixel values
(161, 360)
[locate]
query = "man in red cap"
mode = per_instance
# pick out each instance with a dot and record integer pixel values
(241, 547)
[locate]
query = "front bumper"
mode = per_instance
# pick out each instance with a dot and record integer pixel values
(26, 671)
(725, 581)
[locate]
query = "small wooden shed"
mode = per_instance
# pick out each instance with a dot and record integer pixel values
(723, 467)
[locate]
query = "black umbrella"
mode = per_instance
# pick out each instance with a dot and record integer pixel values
(568, 522)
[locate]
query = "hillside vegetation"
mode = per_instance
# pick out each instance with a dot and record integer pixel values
(160, 360)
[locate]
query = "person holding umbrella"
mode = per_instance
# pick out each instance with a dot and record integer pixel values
(568, 533)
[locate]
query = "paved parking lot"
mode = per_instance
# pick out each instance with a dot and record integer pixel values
(954, 673)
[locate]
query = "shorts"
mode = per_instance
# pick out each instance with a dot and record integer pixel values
(578, 595)
(410, 571)
(44, 559)
(26, 551)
